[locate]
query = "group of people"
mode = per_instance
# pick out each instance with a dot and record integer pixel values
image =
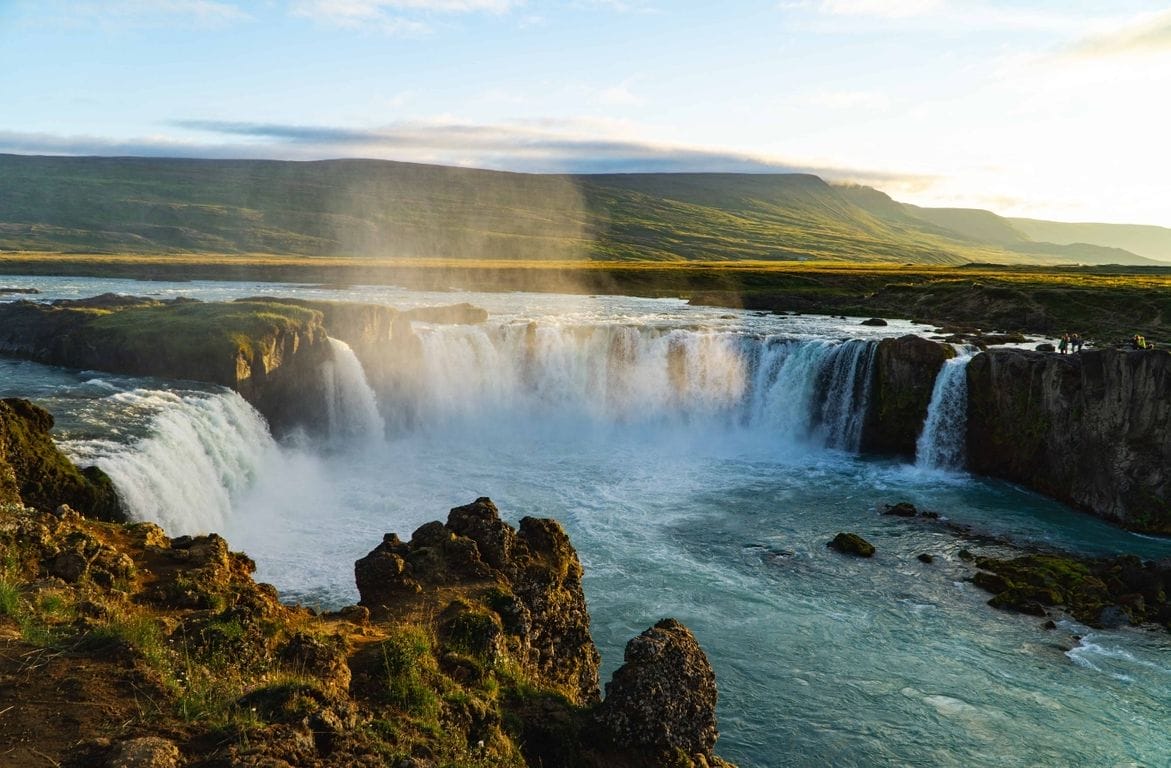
(1140, 342)
(1070, 342)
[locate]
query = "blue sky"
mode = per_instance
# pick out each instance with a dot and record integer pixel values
(1052, 109)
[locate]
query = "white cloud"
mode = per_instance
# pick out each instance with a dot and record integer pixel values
(619, 96)
(394, 17)
(872, 101)
(891, 9)
(951, 15)
(1150, 33)
(146, 13)
(348, 10)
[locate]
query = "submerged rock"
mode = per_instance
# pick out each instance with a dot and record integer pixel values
(1105, 592)
(902, 509)
(851, 544)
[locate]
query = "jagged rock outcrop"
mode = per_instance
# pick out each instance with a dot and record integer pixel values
(34, 471)
(904, 376)
(661, 704)
(475, 650)
(531, 579)
(1091, 429)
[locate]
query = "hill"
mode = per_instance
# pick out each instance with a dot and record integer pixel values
(1144, 240)
(373, 208)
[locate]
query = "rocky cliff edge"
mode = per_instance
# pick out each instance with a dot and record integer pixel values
(1091, 429)
(121, 646)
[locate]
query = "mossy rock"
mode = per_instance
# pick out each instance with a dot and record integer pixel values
(43, 477)
(852, 544)
(470, 631)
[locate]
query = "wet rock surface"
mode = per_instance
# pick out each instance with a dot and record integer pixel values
(1107, 592)
(851, 544)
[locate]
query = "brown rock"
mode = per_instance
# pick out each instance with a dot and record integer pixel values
(663, 699)
(146, 752)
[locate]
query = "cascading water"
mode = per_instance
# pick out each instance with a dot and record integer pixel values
(351, 407)
(847, 376)
(197, 452)
(617, 374)
(941, 443)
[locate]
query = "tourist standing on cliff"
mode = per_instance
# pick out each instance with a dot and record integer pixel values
(1075, 343)
(1063, 345)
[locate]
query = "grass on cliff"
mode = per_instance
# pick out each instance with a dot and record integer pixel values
(201, 330)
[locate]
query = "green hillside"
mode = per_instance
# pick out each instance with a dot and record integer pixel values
(388, 210)
(1144, 240)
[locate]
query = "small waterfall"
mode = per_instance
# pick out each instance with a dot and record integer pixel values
(941, 444)
(197, 451)
(350, 403)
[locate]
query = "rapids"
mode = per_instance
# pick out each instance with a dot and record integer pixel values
(700, 459)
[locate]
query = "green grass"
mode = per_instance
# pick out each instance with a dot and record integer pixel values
(9, 597)
(199, 330)
(407, 661)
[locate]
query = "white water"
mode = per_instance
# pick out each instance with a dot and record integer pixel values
(198, 452)
(942, 443)
(351, 407)
(699, 460)
(606, 376)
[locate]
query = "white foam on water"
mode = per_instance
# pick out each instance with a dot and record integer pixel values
(350, 403)
(200, 450)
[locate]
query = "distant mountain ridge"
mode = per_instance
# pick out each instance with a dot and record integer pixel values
(384, 209)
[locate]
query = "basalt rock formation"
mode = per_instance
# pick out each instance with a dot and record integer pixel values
(33, 470)
(904, 376)
(662, 702)
(270, 353)
(1091, 429)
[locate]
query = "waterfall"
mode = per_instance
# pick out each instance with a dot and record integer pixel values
(941, 443)
(351, 408)
(621, 374)
(846, 393)
(195, 453)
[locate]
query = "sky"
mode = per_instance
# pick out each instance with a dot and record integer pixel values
(1051, 109)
